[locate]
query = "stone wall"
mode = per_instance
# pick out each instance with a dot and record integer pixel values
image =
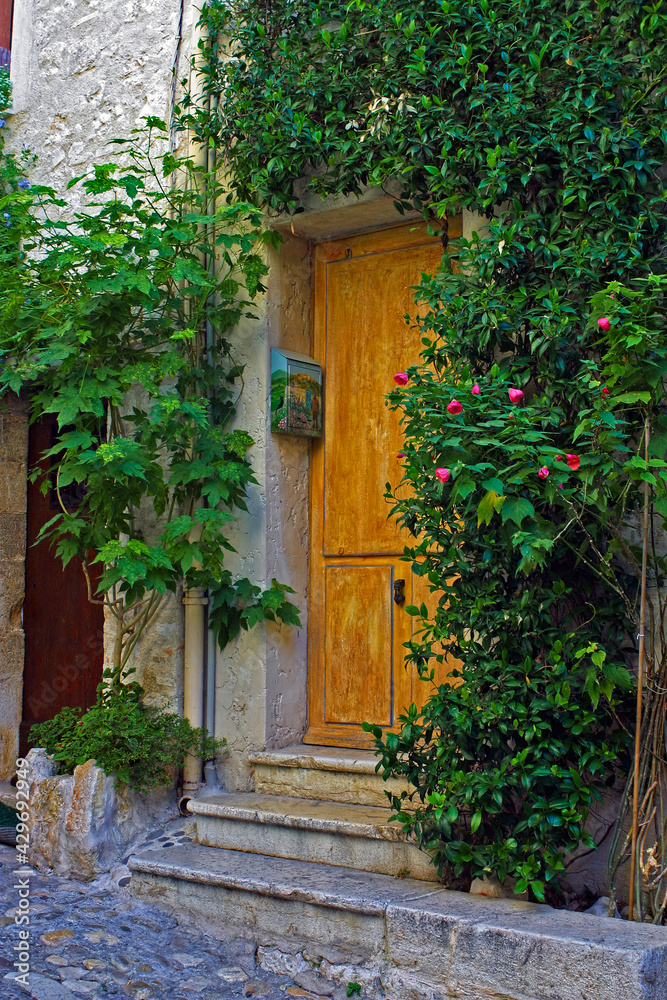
(13, 494)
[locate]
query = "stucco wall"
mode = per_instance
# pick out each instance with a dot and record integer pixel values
(261, 675)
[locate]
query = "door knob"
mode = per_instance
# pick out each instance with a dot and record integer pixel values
(399, 591)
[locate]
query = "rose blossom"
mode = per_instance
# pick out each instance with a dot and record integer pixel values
(401, 378)
(515, 395)
(543, 473)
(454, 407)
(573, 462)
(442, 475)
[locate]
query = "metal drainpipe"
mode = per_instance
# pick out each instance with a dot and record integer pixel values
(210, 642)
(195, 600)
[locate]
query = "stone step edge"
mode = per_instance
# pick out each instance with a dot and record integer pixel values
(374, 894)
(268, 817)
(350, 762)
(254, 884)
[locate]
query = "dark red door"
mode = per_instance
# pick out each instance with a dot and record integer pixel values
(63, 630)
(6, 7)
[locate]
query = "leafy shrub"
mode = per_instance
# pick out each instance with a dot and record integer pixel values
(119, 323)
(138, 743)
(521, 496)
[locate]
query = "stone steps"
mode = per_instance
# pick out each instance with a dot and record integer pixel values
(331, 773)
(402, 937)
(313, 830)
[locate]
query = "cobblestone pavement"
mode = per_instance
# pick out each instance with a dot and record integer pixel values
(94, 940)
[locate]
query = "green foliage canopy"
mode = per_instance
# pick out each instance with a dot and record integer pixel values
(548, 121)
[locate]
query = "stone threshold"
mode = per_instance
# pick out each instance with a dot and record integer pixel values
(371, 822)
(318, 758)
(403, 937)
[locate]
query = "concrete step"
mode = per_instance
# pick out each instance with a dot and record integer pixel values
(401, 937)
(331, 773)
(333, 833)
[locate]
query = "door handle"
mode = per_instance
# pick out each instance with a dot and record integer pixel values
(399, 591)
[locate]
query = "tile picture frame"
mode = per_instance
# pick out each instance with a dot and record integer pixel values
(296, 394)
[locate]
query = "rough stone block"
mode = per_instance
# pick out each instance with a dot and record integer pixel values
(12, 537)
(11, 661)
(13, 487)
(13, 438)
(82, 824)
(12, 593)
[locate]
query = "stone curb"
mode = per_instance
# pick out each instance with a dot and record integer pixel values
(427, 942)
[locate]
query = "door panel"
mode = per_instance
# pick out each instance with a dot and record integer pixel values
(358, 633)
(64, 640)
(363, 288)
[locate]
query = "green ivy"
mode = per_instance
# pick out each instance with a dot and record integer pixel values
(548, 121)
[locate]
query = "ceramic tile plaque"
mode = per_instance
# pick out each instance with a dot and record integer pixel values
(296, 394)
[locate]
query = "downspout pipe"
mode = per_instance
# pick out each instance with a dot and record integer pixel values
(195, 600)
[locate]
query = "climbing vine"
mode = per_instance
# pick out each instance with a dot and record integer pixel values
(548, 122)
(118, 321)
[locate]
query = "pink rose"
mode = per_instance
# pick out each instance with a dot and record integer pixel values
(604, 323)
(543, 473)
(605, 391)
(573, 462)
(476, 391)
(401, 378)
(515, 395)
(442, 475)
(454, 407)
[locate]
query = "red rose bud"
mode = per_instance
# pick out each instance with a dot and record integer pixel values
(515, 395)
(560, 486)
(401, 454)
(604, 323)
(476, 391)
(543, 473)
(559, 458)
(605, 391)
(401, 378)
(573, 462)
(454, 407)
(442, 475)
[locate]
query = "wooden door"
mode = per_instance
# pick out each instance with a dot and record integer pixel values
(63, 631)
(363, 288)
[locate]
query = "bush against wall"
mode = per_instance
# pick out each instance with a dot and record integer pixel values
(549, 120)
(138, 744)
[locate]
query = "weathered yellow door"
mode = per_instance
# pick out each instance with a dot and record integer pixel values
(362, 291)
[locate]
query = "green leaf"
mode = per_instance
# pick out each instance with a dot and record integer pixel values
(516, 509)
(490, 504)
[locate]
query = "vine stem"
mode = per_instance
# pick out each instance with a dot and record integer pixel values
(640, 684)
